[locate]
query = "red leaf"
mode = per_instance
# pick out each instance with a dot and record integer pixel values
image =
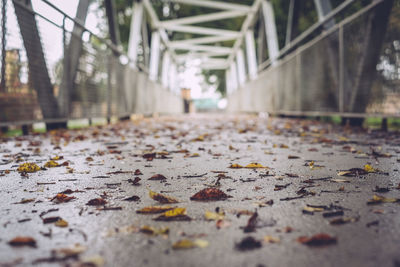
(210, 194)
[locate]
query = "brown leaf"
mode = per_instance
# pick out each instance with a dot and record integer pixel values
(20, 241)
(162, 198)
(137, 172)
(62, 197)
(135, 181)
(51, 219)
(132, 198)
(251, 223)
(96, 202)
(320, 239)
(248, 243)
(210, 194)
(158, 177)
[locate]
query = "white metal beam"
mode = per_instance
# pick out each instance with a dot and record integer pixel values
(251, 54)
(270, 30)
(205, 48)
(206, 66)
(214, 4)
(246, 24)
(204, 18)
(241, 69)
(165, 69)
(202, 30)
(228, 81)
(204, 40)
(154, 55)
(134, 34)
(234, 76)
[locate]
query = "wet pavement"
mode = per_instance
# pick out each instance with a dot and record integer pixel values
(278, 193)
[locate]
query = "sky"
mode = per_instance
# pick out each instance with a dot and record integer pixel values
(52, 41)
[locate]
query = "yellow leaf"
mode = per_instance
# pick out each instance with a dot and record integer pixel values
(61, 223)
(381, 199)
(343, 173)
(311, 209)
(175, 212)
(51, 164)
(235, 166)
(213, 216)
(154, 209)
(255, 166)
(162, 198)
(271, 239)
(186, 244)
(200, 243)
(369, 168)
(28, 167)
(154, 231)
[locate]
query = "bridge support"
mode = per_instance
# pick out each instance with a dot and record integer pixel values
(135, 29)
(251, 54)
(154, 55)
(270, 30)
(241, 70)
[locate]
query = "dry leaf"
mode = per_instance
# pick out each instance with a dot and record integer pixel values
(271, 239)
(176, 214)
(321, 239)
(187, 243)
(20, 241)
(28, 167)
(162, 198)
(210, 194)
(51, 164)
(376, 199)
(255, 166)
(61, 223)
(158, 177)
(214, 216)
(248, 243)
(235, 166)
(154, 209)
(96, 202)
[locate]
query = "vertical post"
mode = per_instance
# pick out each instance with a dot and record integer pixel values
(228, 81)
(109, 86)
(234, 76)
(134, 34)
(3, 46)
(251, 54)
(165, 69)
(154, 55)
(241, 67)
(270, 31)
(289, 26)
(341, 69)
(112, 22)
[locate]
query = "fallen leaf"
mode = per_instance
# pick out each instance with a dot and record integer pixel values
(162, 198)
(176, 214)
(96, 202)
(368, 168)
(51, 164)
(187, 244)
(376, 199)
(20, 241)
(72, 251)
(25, 200)
(271, 239)
(28, 167)
(158, 177)
(235, 166)
(61, 223)
(154, 231)
(214, 216)
(321, 239)
(255, 166)
(352, 172)
(137, 172)
(61, 197)
(248, 243)
(154, 209)
(132, 198)
(210, 194)
(251, 223)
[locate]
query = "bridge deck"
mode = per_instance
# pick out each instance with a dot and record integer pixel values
(293, 197)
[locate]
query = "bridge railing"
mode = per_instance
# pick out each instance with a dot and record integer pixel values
(351, 69)
(41, 83)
